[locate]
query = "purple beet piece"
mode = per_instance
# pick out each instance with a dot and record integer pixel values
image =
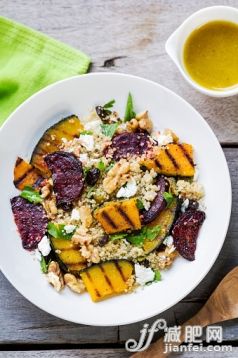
(158, 204)
(185, 233)
(127, 143)
(31, 221)
(67, 175)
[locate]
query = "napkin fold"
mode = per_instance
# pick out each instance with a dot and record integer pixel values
(29, 61)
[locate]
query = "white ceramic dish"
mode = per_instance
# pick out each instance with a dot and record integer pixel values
(77, 95)
(175, 43)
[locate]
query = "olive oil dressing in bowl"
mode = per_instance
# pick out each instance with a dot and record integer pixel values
(210, 55)
(205, 50)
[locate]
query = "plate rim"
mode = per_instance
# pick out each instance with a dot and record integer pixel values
(229, 198)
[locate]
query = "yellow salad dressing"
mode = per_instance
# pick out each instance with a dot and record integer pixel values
(210, 55)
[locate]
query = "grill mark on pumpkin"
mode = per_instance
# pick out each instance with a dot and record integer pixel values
(157, 162)
(91, 280)
(18, 181)
(120, 271)
(171, 158)
(125, 216)
(186, 154)
(109, 219)
(19, 161)
(106, 277)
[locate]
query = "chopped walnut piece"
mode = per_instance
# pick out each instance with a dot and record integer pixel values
(117, 176)
(144, 121)
(74, 283)
(81, 236)
(86, 216)
(55, 276)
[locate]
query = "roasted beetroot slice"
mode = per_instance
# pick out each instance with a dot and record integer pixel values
(67, 175)
(185, 233)
(31, 221)
(126, 143)
(158, 204)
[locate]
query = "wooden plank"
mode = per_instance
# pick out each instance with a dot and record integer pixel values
(79, 353)
(107, 353)
(129, 36)
(21, 322)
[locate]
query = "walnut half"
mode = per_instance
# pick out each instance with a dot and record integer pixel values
(55, 276)
(74, 283)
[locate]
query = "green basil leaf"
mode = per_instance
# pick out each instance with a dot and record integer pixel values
(109, 104)
(168, 197)
(86, 133)
(109, 129)
(31, 195)
(129, 113)
(152, 232)
(58, 232)
(157, 276)
(139, 204)
(118, 236)
(110, 166)
(101, 166)
(43, 264)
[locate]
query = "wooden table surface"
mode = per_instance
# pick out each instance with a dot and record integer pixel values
(121, 36)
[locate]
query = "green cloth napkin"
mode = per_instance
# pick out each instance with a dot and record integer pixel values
(29, 61)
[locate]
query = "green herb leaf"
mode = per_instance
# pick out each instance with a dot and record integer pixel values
(168, 197)
(139, 204)
(110, 166)
(152, 232)
(129, 113)
(157, 276)
(31, 195)
(85, 171)
(109, 104)
(101, 166)
(90, 190)
(109, 129)
(58, 231)
(43, 264)
(118, 236)
(86, 133)
(137, 238)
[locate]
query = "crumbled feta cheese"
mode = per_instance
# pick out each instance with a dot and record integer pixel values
(44, 246)
(84, 158)
(163, 138)
(143, 274)
(87, 141)
(184, 205)
(94, 126)
(69, 228)
(168, 241)
(128, 191)
(75, 215)
(64, 140)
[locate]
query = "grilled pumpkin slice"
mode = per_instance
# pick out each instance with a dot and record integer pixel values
(117, 216)
(51, 141)
(165, 219)
(68, 255)
(173, 159)
(26, 175)
(107, 279)
(176, 159)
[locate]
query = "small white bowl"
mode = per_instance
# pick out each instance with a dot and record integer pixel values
(175, 43)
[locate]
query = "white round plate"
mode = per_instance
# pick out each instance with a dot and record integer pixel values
(78, 95)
